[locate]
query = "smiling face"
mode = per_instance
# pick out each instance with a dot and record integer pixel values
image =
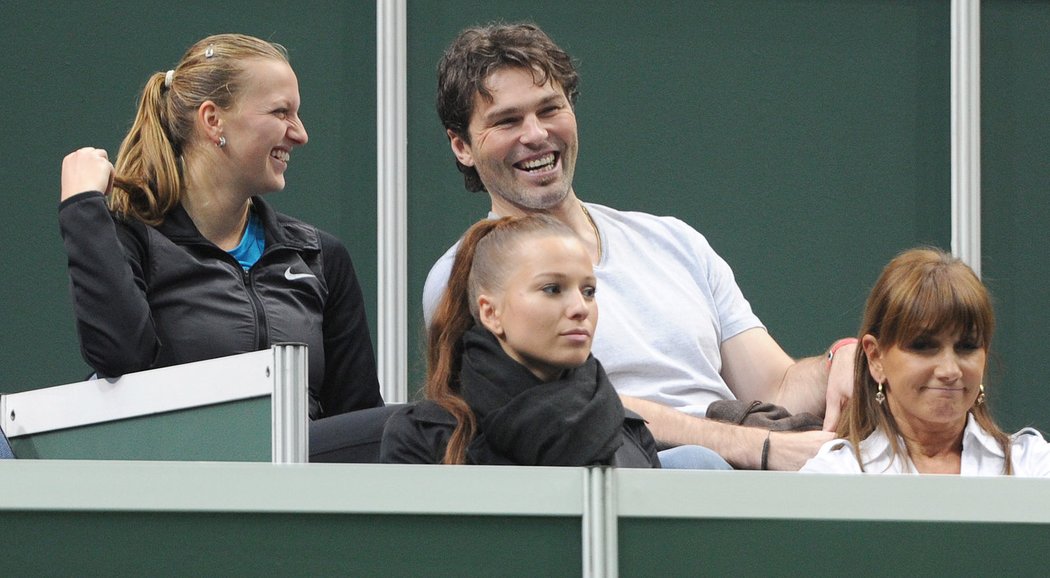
(931, 381)
(523, 142)
(545, 313)
(263, 126)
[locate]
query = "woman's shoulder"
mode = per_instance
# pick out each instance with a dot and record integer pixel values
(834, 457)
(428, 412)
(1030, 453)
(1028, 435)
(417, 434)
(93, 204)
(292, 231)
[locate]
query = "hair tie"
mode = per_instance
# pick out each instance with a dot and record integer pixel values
(168, 76)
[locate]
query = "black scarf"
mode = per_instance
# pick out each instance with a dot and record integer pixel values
(575, 420)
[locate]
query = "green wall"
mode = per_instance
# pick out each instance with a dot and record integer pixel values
(299, 544)
(1015, 181)
(827, 548)
(237, 431)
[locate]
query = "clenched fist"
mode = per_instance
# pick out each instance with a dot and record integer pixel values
(86, 169)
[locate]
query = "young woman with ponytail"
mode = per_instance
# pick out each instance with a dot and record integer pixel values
(510, 378)
(175, 257)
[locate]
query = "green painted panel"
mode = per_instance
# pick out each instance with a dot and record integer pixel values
(237, 431)
(210, 544)
(1015, 209)
(681, 547)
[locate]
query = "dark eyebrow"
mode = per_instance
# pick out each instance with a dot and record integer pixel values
(512, 110)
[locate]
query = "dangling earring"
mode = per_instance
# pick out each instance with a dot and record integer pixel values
(980, 396)
(222, 141)
(879, 396)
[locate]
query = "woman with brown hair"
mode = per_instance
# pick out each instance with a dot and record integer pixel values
(510, 377)
(920, 403)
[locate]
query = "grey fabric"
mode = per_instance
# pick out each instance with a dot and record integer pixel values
(574, 420)
(762, 415)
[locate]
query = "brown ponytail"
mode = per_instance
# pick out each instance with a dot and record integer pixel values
(483, 261)
(147, 184)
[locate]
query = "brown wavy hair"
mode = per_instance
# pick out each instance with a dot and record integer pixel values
(148, 175)
(483, 262)
(922, 291)
(480, 51)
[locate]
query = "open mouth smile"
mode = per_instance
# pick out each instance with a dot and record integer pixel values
(539, 164)
(281, 155)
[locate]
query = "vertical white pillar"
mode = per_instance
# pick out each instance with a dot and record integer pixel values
(966, 131)
(289, 404)
(600, 524)
(391, 122)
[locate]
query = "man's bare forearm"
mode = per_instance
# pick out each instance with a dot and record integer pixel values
(805, 385)
(672, 427)
(740, 446)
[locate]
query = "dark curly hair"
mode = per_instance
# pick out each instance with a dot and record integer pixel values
(478, 52)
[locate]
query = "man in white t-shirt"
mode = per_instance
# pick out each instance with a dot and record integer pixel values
(676, 333)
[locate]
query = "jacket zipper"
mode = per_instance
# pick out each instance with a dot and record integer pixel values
(261, 328)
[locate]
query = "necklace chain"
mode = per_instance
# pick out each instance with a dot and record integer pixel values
(594, 227)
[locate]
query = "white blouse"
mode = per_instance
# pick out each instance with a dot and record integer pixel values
(981, 455)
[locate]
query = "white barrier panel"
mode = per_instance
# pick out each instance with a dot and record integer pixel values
(798, 496)
(318, 488)
(279, 373)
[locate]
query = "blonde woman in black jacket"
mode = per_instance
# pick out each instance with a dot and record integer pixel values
(173, 255)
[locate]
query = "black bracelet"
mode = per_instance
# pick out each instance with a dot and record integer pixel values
(765, 451)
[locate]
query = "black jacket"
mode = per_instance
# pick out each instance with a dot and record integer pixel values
(147, 297)
(418, 434)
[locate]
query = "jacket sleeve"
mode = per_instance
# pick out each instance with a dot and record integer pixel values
(635, 427)
(407, 439)
(351, 381)
(108, 287)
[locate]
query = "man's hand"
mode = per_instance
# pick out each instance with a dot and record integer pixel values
(840, 384)
(741, 446)
(789, 451)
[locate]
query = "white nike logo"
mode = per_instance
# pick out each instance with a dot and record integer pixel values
(295, 276)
